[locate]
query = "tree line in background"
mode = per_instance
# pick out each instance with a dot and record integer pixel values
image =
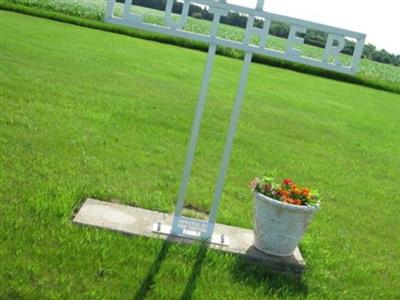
(311, 37)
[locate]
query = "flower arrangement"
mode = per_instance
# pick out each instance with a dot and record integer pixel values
(286, 191)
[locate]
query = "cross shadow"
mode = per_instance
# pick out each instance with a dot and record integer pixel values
(148, 282)
(256, 274)
(244, 271)
(191, 283)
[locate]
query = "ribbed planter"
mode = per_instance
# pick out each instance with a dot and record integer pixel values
(279, 227)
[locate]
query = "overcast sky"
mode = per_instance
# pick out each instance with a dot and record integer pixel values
(380, 20)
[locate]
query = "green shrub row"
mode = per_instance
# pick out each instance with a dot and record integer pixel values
(95, 24)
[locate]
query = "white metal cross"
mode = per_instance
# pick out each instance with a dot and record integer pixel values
(203, 230)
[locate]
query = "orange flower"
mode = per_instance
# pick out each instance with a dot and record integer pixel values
(296, 191)
(305, 192)
(287, 191)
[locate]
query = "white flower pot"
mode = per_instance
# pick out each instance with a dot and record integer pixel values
(279, 227)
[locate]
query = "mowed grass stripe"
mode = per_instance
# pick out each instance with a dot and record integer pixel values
(90, 113)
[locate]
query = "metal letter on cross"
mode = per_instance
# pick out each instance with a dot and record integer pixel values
(203, 230)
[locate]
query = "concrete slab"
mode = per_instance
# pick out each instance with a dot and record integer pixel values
(138, 221)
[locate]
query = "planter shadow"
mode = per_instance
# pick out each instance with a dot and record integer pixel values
(256, 274)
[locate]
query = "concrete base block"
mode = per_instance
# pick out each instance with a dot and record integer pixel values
(138, 221)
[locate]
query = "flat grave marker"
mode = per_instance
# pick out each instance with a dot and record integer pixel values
(137, 221)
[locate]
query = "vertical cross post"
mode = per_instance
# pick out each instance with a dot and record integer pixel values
(194, 137)
(207, 235)
(229, 142)
(196, 124)
(233, 125)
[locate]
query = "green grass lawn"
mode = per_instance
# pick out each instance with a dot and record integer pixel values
(90, 113)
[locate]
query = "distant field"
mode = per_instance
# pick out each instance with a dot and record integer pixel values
(88, 113)
(94, 9)
(367, 68)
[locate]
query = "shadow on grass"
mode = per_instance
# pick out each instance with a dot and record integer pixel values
(191, 283)
(256, 274)
(244, 271)
(148, 282)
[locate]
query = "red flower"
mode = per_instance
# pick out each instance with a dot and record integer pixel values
(288, 182)
(296, 202)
